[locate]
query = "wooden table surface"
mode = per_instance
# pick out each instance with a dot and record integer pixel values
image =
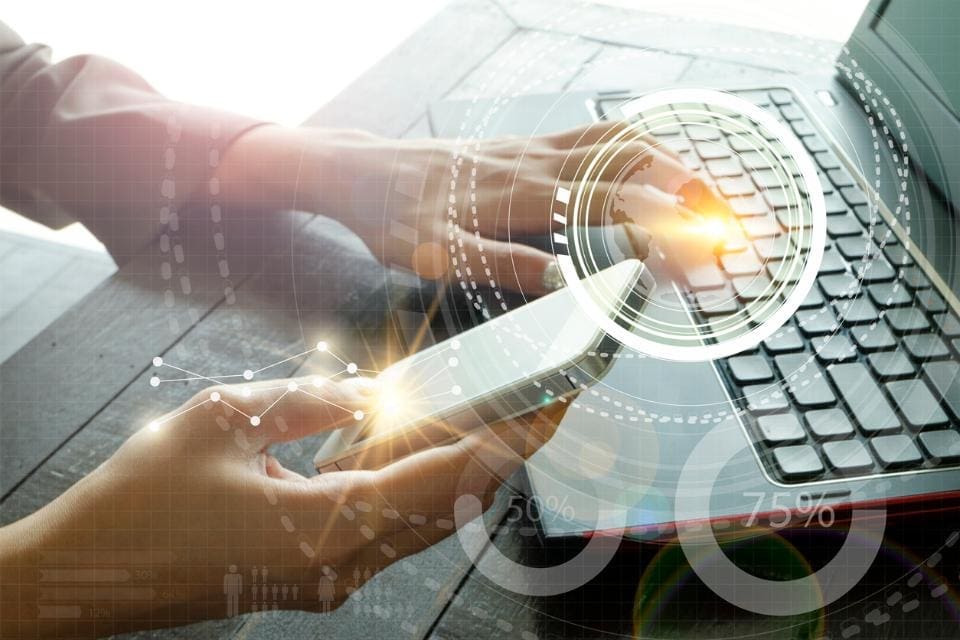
(72, 395)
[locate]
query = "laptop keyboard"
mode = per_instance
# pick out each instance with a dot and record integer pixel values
(864, 378)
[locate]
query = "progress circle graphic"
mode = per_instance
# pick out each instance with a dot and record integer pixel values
(661, 324)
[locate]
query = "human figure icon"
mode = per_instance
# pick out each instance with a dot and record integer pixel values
(253, 584)
(263, 592)
(232, 588)
(296, 591)
(356, 577)
(286, 590)
(326, 593)
(275, 589)
(263, 572)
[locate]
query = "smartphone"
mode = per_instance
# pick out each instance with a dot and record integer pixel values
(509, 366)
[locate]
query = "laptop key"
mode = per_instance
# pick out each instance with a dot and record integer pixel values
(835, 205)
(817, 322)
(784, 340)
(827, 160)
(842, 285)
(764, 398)
(781, 97)
(749, 205)
(738, 186)
(840, 177)
(857, 310)
(760, 226)
(854, 196)
(907, 320)
(931, 301)
(895, 451)
(925, 346)
(716, 303)
(712, 151)
(897, 255)
(847, 457)
(918, 406)
(941, 445)
(890, 294)
(813, 299)
(891, 364)
(867, 404)
(813, 143)
(832, 262)
(948, 323)
(843, 225)
(756, 160)
(805, 380)
(750, 369)
(837, 348)
(942, 376)
(798, 461)
(780, 428)
(775, 248)
(828, 424)
(744, 263)
(875, 337)
(855, 247)
(914, 278)
(705, 276)
(874, 269)
(725, 168)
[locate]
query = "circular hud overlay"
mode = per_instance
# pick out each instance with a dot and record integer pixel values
(691, 315)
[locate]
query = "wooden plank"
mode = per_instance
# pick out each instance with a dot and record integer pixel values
(390, 97)
(69, 372)
(83, 272)
(617, 67)
(623, 26)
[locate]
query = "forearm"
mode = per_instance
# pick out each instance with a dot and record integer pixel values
(273, 168)
(65, 572)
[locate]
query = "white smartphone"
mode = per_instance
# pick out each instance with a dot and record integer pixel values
(504, 368)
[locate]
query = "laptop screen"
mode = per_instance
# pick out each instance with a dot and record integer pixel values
(932, 34)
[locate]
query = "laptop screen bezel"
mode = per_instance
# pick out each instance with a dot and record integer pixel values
(930, 125)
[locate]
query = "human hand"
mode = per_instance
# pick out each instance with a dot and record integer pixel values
(465, 202)
(199, 496)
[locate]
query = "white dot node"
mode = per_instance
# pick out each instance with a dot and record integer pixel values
(292, 386)
(154, 381)
(452, 362)
(454, 344)
(318, 382)
(248, 375)
(255, 421)
(456, 390)
(158, 361)
(352, 367)
(246, 392)
(321, 346)
(153, 426)
(358, 415)
(215, 396)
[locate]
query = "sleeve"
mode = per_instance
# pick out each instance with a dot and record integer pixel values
(87, 139)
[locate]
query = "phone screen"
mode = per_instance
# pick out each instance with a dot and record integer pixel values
(492, 360)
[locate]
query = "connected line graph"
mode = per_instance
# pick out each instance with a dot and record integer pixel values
(349, 368)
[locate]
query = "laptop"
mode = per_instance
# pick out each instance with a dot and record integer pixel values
(854, 403)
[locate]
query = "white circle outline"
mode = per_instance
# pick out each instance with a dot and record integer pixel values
(750, 339)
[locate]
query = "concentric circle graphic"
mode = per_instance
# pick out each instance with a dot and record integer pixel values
(668, 331)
